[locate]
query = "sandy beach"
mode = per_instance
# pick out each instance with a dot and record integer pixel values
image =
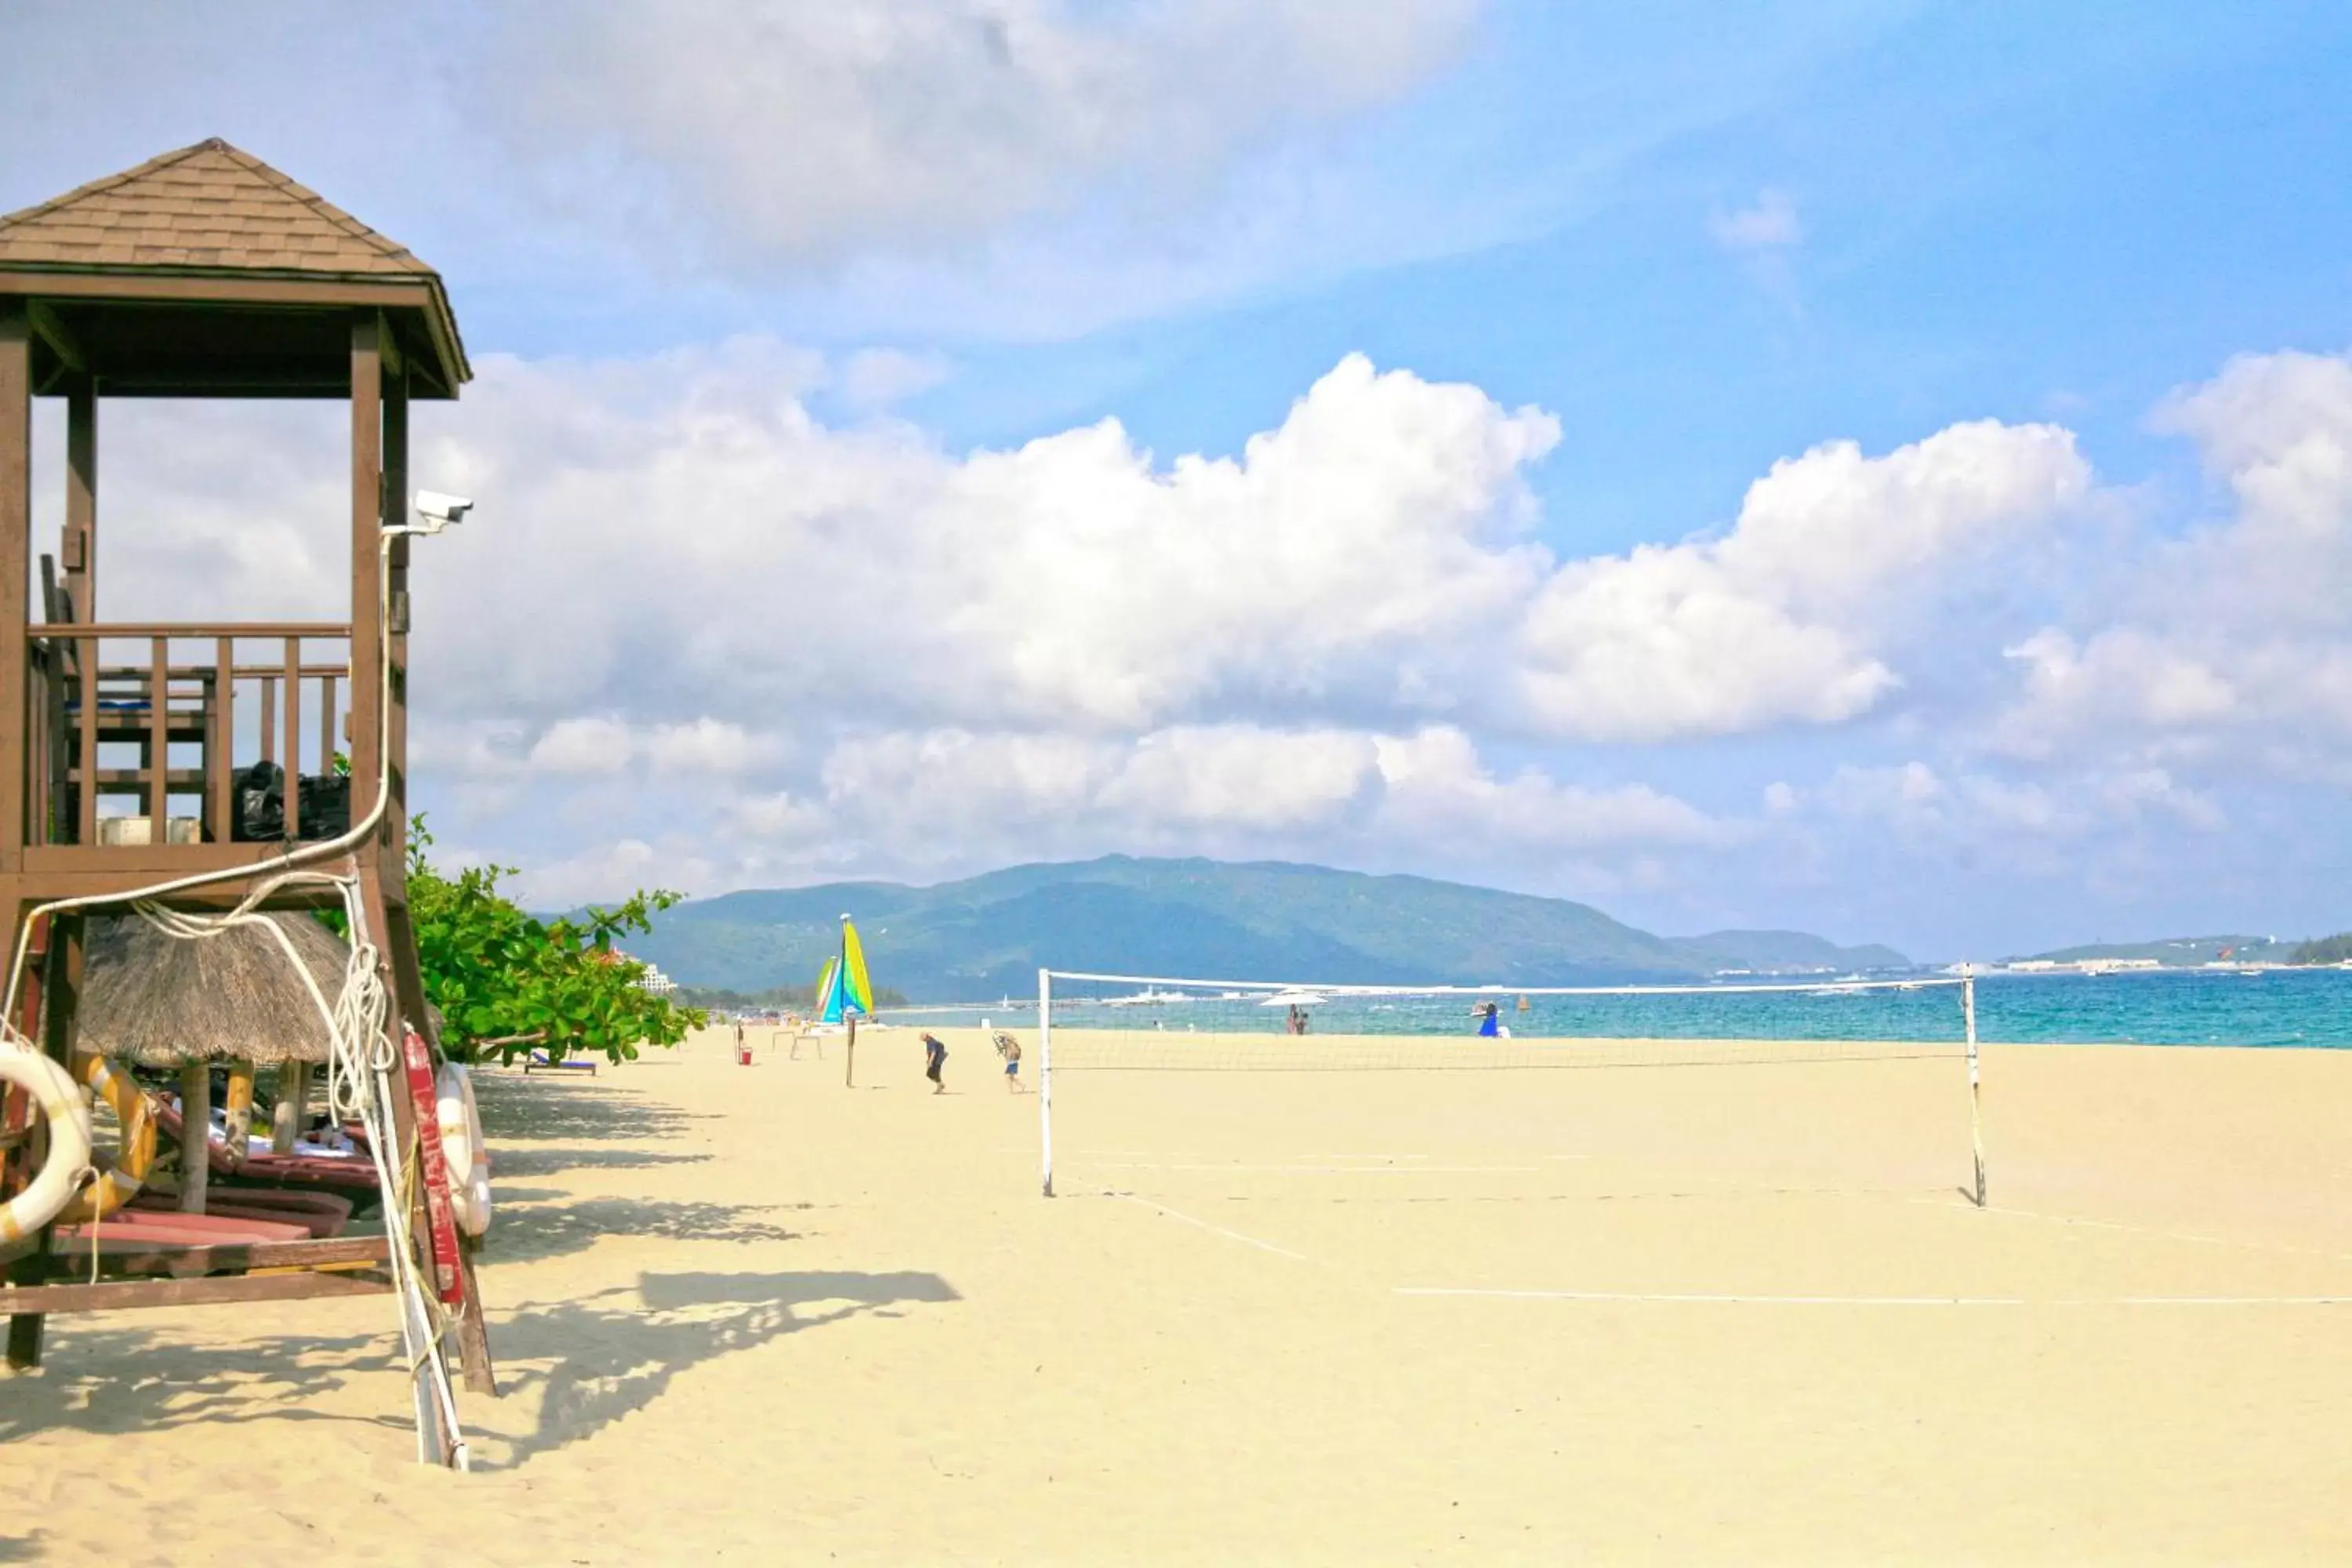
(1739, 1313)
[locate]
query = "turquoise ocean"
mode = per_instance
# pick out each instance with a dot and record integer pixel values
(2275, 1007)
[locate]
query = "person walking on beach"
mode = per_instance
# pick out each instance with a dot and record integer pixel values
(1490, 1026)
(935, 1060)
(1010, 1049)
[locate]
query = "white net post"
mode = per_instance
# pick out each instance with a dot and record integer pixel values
(1975, 1081)
(1045, 1076)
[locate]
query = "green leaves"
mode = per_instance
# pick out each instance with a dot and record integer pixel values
(495, 971)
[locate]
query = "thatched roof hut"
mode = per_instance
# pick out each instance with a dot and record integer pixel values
(161, 1001)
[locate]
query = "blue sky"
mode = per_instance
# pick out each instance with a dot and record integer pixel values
(800, 325)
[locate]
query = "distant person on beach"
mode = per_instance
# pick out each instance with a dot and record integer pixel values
(935, 1060)
(1010, 1049)
(1490, 1026)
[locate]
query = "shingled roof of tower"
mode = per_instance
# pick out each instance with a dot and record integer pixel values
(209, 208)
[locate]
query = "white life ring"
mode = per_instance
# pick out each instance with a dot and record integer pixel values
(462, 1148)
(59, 1097)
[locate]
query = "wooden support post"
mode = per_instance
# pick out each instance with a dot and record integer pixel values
(26, 1329)
(396, 509)
(293, 737)
(195, 1135)
(239, 1106)
(326, 726)
(221, 740)
(16, 570)
(85, 807)
(293, 1101)
(367, 562)
(80, 541)
(114, 1295)
(158, 739)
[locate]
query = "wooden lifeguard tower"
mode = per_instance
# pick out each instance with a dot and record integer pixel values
(134, 755)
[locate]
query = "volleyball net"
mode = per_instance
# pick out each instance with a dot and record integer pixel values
(1089, 1023)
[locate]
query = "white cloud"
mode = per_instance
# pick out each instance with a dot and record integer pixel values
(692, 614)
(1437, 790)
(2125, 678)
(875, 379)
(1922, 807)
(797, 132)
(2240, 632)
(1242, 776)
(583, 746)
(945, 801)
(608, 870)
(706, 746)
(1771, 224)
(1368, 555)
(1833, 559)
(703, 535)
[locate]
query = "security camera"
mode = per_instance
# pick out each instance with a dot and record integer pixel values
(438, 509)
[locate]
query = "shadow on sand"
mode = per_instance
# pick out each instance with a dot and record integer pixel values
(589, 1362)
(514, 1162)
(540, 1109)
(528, 1232)
(609, 1363)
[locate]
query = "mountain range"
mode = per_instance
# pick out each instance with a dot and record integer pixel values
(986, 936)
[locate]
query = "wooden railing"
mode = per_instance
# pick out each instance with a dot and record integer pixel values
(157, 686)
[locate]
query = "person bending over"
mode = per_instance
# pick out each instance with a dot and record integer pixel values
(935, 1061)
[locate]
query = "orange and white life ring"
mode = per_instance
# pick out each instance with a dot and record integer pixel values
(59, 1099)
(118, 1179)
(468, 1157)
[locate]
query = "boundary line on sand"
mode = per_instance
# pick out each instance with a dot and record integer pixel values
(1708, 1298)
(1304, 1169)
(1213, 1229)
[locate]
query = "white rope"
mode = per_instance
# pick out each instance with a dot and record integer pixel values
(362, 1069)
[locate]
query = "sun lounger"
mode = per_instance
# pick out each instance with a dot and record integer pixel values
(352, 1177)
(136, 1228)
(317, 1221)
(541, 1061)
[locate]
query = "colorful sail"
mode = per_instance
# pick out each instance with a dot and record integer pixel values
(857, 987)
(846, 988)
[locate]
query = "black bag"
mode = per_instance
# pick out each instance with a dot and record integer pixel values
(261, 803)
(326, 804)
